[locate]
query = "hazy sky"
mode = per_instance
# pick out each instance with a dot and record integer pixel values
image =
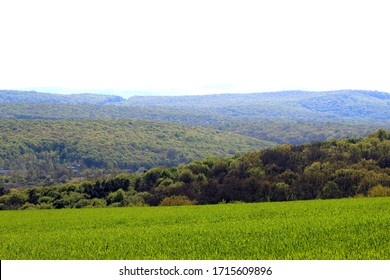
(193, 47)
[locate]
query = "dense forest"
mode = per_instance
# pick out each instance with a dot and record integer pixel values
(47, 152)
(298, 131)
(330, 169)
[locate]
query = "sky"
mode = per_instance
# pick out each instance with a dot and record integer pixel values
(194, 47)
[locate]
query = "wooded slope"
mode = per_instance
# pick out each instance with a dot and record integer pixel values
(323, 170)
(34, 148)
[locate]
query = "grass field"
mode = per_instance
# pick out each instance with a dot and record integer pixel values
(321, 229)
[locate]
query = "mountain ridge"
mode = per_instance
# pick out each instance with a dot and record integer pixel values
(43, 97)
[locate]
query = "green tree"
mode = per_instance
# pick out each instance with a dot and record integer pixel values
(117, 197)
(186, 176)
(331, 190)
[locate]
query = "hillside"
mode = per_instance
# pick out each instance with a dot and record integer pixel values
(300, 131)
(36, 150)
(332, 169)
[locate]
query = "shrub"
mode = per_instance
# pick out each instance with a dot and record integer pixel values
(177, 200)
(117, 197)
(97, 203)
(136, 200)
(14, 200)
(82, 203)
(44, 206)
(28, 206)
(45, 199)
(61, 203)
(378, 190)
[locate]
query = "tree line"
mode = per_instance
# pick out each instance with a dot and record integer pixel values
(330, 169)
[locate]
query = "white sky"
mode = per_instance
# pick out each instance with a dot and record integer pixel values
(195, 47)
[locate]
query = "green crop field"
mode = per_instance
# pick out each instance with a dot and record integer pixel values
(322, 229)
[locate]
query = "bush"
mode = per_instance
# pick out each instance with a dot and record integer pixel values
(28, 206)
(61, 203)
(82, 203)
(45, 206)
(378, 190)
(97, 203)
(117, 197)
(136, 200)
(116, 204)
(14, 200)
(45, 199)
(177, 200)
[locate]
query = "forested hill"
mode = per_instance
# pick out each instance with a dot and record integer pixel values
(292, 104)
(326, 105)
(41, 97)
(283, 117)
(323, 170)
(36, 150)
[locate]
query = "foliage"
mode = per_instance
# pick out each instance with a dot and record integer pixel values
(342, 229)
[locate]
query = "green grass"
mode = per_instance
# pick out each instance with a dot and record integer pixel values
(322, 229)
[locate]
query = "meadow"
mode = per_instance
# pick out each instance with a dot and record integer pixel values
(354, 228)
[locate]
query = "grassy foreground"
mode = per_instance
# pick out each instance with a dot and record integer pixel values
(321, 229)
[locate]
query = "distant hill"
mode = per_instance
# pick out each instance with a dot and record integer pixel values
(292, 104)
(41, 97)
(283, 117)
(330, 105)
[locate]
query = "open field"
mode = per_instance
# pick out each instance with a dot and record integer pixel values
(320, 229)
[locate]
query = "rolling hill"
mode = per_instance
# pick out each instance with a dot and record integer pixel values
(282, 117)
(36, 150)
(340, 104)
(323, 170)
